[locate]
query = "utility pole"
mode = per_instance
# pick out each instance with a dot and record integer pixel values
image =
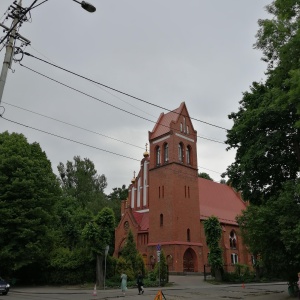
(16, 14)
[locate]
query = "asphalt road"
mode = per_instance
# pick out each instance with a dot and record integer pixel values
(185, 287)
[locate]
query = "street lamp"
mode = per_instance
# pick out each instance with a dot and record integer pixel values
(105, 252)
(87, 6)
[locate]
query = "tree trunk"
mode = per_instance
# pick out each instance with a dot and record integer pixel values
(99, 271)
(218, 274)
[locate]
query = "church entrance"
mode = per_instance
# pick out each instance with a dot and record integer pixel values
(189, 260)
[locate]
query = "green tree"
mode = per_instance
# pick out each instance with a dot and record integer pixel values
(205, 176)
(124, 266)
(266, 137)
(28, 191)
(213, 234)
(266, 127)
(98, 234)
(161, 269)
(80, 180)
(115, 199)
(70, 260)
(277, 244)
(129, 251)
(140, 265)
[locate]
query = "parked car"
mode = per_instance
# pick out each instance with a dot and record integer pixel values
(4, 286)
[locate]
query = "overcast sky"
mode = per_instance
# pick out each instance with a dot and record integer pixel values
(163, 52)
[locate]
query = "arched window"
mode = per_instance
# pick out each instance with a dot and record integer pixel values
(184, 125)
(166, 152)
(234, 258)
(188, 235)
(161, 219)
(232, 239)
(181, 127)
(180, 152)
(187, 129)
(157, 155)
(188, 155)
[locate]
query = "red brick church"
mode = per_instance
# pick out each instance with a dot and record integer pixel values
(168, 202)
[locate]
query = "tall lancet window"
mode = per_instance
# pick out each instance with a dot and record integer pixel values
(232, 239)
(132, 197)
(188, 155)
(139, 188)
(166, 152)
(180, 152)
(145, 187)
(188, 235)
(157, 155)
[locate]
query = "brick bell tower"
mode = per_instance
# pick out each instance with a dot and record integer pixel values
(174, 213)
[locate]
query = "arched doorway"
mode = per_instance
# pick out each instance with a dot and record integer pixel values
(189, 260)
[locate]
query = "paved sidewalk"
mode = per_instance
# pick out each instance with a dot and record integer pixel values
(184, 287)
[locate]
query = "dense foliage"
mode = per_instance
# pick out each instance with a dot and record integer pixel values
(266, 136)
(205, 176)
(115, 198)
(161, 270)
(266, 127)
(99, 234)
(53, 230)
(28, 193)
(80, 180)
(272, 231)
(213, 234)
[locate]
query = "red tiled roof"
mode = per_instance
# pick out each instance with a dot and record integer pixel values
(215, 199)
(164, 121)
(142, 218)
(219, 200)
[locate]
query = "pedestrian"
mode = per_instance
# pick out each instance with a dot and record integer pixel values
(298, 284)
(123, 283)
(140, 284)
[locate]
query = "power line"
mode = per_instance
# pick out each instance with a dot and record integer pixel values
(25, 11)
(123, 93)
(99, 87)
(102, 101)
(94, 147)
(70, 140)
(209, 170)
(75, 126)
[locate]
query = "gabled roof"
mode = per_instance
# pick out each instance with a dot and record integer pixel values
(164, 121)
(142, 219)
(219, 200)
(215, 199)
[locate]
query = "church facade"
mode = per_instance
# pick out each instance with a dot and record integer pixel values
(168, 202)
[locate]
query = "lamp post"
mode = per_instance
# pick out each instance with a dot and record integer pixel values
(105, 252)
(87, 6)
(19, 13)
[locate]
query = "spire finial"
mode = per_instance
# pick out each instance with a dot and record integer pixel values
(146, 153)
(133, 179)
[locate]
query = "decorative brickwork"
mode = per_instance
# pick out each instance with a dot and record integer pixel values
(167, 202)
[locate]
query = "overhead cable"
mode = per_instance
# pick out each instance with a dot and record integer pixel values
(70, 140)
(75, 126)
(102, 101)
(118, 91)
(94, 147)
